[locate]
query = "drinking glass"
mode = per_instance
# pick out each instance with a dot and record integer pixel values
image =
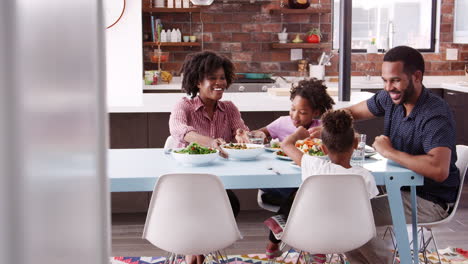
(256, 137)
(359, 153)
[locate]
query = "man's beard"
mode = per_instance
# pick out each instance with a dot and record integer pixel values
(407, 93)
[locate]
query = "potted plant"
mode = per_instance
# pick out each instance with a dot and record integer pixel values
(314, 36)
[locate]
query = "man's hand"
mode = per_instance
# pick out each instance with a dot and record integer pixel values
(383, 145)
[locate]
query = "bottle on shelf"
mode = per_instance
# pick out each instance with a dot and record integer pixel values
(163, 36)
(170, 3)
(178, 3)
(158, 3)
(186, 3)
(169, 35)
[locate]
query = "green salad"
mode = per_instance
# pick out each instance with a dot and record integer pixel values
(194, 148)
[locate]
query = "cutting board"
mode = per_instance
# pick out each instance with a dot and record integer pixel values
(286, 92)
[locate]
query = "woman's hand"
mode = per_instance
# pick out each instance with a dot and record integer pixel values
(216, 144)
(242, 136)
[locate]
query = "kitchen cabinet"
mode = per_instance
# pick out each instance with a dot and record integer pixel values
(128, 130)
(457, 102)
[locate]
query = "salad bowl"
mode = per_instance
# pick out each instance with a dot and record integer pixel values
(242, 151)
(195, 154)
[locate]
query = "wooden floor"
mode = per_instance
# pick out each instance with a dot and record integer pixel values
(127, 230)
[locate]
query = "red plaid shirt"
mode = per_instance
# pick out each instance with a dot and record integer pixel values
(190, 115)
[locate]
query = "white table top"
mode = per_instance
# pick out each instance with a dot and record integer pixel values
(138, 169)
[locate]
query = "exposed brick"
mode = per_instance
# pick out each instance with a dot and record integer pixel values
(220, 37)
(376, 58)
(365, 66)
(237, 7)
(357, 57)
(432, 56)
(229, 47)
(222, 17)
(241, 37)
(296, 18)
(241, 66)
(242, 56)
(181, 17)
(231, 27)
(242, 18)
(447, 1)
(288, 66)
(446, 19)
(446, 37)
(207, 37)
(447, 9)
(213, 46)
(262, 37)
(445, 28)
(261, 18)
(261, 56)
(274, 27)
(325, 27)
(292, 27)
(210, 27)
(440, 66)
(252, 46)
(253, 67)
(206, 18)
(280, 56)
(325, 18)
(269, 66)
(251, 8)
(457, 66)
(464, 56)
(266, 47)
(315, 18)
(251, 28)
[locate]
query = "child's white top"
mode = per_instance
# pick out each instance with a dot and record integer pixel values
(314, 166)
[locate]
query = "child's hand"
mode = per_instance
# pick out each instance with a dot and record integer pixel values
(315, 132)
(301, 133)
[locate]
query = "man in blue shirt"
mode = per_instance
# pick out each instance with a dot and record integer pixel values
(419, 134)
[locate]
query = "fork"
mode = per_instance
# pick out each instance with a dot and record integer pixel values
(269, 167)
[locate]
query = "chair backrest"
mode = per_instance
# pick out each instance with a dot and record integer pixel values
(462, 165)
(330, 214)
(170, 143)
(190, 214)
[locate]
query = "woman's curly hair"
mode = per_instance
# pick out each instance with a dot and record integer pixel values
(199, 65)
(315, 92)
(338, 131)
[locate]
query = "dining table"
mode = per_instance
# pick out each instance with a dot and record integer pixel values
(137, 170)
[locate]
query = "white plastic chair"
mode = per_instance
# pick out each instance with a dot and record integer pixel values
(190, 214)
(330, 214)
(266, 206)
(462, 165)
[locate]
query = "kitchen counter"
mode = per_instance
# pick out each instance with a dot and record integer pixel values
(457, 83)
(246, 102)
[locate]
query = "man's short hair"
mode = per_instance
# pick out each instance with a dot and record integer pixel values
(412, 59)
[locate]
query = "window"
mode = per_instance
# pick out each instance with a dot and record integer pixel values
(391, 23)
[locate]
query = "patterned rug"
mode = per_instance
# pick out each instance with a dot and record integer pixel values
(448, 255)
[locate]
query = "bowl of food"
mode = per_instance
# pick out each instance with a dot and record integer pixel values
(195, 154)
(312, 147)
(273, 146)
(243, 151)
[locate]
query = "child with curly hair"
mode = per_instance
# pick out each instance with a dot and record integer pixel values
(339, 142)
(309, 100)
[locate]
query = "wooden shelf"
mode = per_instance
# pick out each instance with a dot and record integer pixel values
(310, 10)
(170, 10)
(300, 45)
(173, 44)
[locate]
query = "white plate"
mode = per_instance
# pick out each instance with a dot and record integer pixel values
(282, 157)
(268, 148)
(293, 164)
(369, 151)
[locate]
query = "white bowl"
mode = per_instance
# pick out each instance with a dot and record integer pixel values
(244, 154)
(194, 159)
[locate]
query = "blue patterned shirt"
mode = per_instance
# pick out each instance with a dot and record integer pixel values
(429, 125)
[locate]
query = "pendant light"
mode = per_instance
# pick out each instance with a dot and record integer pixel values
(202, 2)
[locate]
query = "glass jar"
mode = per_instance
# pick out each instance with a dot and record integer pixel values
(298, 4)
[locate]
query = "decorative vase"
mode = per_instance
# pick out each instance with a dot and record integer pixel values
(298, 4)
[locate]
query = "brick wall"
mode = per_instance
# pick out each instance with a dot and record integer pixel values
(245, 32)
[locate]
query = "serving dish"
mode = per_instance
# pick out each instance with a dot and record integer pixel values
(243, 151)
(194, 159)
